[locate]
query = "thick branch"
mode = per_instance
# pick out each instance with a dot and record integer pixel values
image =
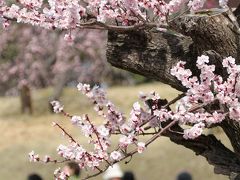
(152, 53)
(232, 130)
(224, 161)
(237, 14)
(210, 30)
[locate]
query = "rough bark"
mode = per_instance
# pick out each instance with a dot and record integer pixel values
(224, 160)
(152, 53)
(232, 130)
(210, 30)
(237, 13)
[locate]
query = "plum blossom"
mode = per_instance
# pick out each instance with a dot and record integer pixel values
(174, 5)
(196, 4)
(70, 14)
(69, 38)
(223, 3)
(141, 147)
(57, 107)
(46, 159)
(162, 114)
(33, 157)
(207, 89)
(194, 132)
(218, 117)
(103, 131)
(201, 60)
(57, 171)
(203, 92)
(76, 120)
(125, 129)
(234, 113)
(84, 88)
(61, 175)
(125, 141)
(32, 3)
(87, 130)
(115, 155)
(137, 108)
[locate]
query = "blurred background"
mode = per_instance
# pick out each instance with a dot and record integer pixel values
(37, 66)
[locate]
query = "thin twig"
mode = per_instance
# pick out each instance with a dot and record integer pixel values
(66, 133)
(180, 96)
(135, 151)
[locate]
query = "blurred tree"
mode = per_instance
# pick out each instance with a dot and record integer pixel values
(43, 58)
(26, 99)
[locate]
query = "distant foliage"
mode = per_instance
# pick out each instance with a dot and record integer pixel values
(40, 56)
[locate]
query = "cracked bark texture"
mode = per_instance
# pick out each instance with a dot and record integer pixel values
(152, 54)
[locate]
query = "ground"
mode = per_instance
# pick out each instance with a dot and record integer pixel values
(20, 134)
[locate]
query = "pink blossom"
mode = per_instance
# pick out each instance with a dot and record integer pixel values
(69, 38)
(228, 61)
(62, 175)
(125, 129)
(137, 107)
(57, 171)
(194, 132)
(115, 155)
(234, 113)
(33, 157)
(76, 120)
(125, 141)
(218, 117)
(162, 114)
(202, 60)
(84, 88)
(103, 131)
(196, 4)
(46, 159)
(223, 3)
(174, 5)
(87, 129)
(57, 107)
(141, 147)
(32, 3)
(206, 89)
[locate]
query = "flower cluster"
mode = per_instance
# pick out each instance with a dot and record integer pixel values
(33, 157)
(70, 14)
(195, 5)
(195, 109)
(57, 107)
(209, 89)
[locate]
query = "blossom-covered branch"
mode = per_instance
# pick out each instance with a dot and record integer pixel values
(111, 14)
(192, 110)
